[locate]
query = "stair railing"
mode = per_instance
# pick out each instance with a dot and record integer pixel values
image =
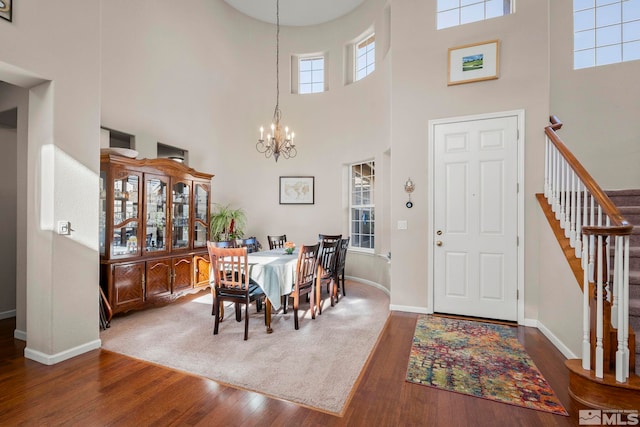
(591, 221)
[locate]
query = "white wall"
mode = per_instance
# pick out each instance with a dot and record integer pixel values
(54, 52)
(420, 93)
(559, 290)
(203, 78)
(16, 97)
(598, 106)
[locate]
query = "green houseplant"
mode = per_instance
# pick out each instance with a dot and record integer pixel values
(227, 223)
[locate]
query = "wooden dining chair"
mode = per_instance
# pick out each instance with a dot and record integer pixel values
(327, 271)
(342, 258)
(276, 242)
(231, 282)
(329, 237)
(306, 270)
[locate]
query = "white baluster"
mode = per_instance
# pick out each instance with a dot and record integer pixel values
(579, 213)
(556, 194)
(567, 200)
(599, 313)
(614, 285)
(572, 211)
(586, 330)
(624, 304)
(622, 354)
(547, 159)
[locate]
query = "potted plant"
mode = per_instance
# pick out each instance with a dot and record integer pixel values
(227, 223)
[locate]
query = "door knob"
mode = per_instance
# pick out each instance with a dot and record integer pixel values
(438, 243)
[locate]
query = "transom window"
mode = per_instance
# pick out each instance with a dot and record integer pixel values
(362, 206)
(365, 57)
(451, 13)
(605, 32)
(311, 75)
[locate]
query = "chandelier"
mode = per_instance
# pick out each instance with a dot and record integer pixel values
(279, 141)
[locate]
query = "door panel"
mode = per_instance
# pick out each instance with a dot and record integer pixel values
(475, 218)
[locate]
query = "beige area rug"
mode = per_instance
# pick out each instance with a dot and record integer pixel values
(332, 349)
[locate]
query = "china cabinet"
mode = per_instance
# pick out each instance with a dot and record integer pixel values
(154, 223)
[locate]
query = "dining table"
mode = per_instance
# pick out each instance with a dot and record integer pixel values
(274, 270)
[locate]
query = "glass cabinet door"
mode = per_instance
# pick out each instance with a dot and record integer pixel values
(201, 220)
(126, 190)
(181, 194)
(156, 213)
(103, 212)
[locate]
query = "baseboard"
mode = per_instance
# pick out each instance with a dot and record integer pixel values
(20, 335)
(368, 282)
(7, 314)
(556, 342)
(52, 359)
(532, 323)
(408, 309)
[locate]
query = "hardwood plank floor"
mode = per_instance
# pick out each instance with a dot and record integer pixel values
(100, 388)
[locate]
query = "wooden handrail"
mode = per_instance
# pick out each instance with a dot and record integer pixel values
(616, 230)
(600, 196)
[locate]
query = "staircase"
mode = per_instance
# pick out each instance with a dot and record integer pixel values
(628, 203)
(602, 246)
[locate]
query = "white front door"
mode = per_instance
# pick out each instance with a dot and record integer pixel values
(475, 206)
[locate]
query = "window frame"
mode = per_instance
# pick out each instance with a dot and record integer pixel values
(508, 8)
(369, 67)
(590, 44)
(312, 83)
(371, 206)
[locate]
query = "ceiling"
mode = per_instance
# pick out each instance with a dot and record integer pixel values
(295, 12)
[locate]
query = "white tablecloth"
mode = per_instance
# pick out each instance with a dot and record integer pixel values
(275, 273)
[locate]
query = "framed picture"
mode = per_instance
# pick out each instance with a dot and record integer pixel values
(5, 9)
(297, 190)
(474, 62)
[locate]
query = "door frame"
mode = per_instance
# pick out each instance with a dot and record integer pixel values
(519, 114)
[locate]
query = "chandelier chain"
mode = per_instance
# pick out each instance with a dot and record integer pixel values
(280, 141)
(276, 112)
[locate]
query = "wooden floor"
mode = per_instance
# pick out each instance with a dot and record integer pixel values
(100, 388)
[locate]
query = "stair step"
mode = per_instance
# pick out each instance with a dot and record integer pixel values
(634, 310)
(624, 197)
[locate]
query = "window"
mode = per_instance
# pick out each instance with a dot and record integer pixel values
(361, 206)
(451, 13)
(605, 32)
(365, 57)
(311, 75)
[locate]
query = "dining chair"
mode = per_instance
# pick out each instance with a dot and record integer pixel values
(224, 244)
(327, 271)
(342, 258)
(276, 242)
(251, 243)
(230, 283)
(306, 270)
(329, 237)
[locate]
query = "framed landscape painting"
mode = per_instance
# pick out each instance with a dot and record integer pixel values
(5, 9)
(474, 62)
(297, 190)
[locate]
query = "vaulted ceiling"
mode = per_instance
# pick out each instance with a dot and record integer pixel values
(295, 12)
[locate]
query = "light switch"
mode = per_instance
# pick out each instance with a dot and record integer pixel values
(402, 224)
(64, 228)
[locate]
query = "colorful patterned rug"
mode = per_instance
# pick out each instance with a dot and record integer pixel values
(480, 359)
